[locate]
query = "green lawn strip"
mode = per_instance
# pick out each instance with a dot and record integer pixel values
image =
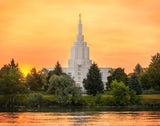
(49, 97)
(151, 92)
(151, 98)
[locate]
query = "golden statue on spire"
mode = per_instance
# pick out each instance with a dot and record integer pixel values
(80, 16)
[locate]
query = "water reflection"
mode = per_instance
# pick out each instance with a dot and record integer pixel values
(141, 118)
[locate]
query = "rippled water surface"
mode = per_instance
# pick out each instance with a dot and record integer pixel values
(103, 118)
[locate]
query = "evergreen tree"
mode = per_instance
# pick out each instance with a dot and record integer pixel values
(13, 65)
(58, 69)
(134, 84)
(138, 69)
(93, 83)
(154, 72)
(145, 81)
(34, 81)
(155, 58)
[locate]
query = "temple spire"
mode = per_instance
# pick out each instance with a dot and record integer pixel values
(80, 26)
(80, 16)
(80, 37)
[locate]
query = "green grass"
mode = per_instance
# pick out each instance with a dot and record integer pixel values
(107, 92)
(49, 97)
(151, 92)
(86, 100)
(151, 98)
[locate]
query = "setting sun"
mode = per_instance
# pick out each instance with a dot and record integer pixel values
(25, 69)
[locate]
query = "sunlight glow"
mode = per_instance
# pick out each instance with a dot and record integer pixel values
(25, 69)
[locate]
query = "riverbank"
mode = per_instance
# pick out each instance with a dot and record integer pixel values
(21, 101)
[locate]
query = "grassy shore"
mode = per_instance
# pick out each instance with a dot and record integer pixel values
(87, 100)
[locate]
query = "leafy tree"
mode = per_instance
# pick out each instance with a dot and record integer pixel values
(11, 82)
(34, 81)
(109, 78)
(138, 69)
(50, 73)
(154, 71)
(6, 68)
(35, 99)
(63, 86)
(57, 71)
(120, 93)
(145, 81)
(93, 83)
(119, 75)
(134, 84)
(44, 75)
(155, 58)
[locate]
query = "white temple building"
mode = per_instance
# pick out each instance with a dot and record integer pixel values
(79, 63)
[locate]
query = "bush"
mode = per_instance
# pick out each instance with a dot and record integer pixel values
(81, 102)
(109, 101)
(35, 99)
(134, 99)
(120, 93)
(21, 100)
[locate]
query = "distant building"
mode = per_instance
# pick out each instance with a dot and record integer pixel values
(79, 63)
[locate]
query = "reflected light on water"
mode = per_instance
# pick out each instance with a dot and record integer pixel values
(20, 116)
(141, 118)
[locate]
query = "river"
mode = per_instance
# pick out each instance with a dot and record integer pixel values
(80, 118)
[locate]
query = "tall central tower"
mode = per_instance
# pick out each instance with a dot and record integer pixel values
(79, 62)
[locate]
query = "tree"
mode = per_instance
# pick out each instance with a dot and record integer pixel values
(145, 81)
(58, 69)
(6, 68)
(138, 69)
(12, 83)
(93, 83)
(34, 81)
(134, 84)
(13, 65)
(63, 86)
(120, 93)
(44, 75)
(155, 58)
(119, 75)
(35, 99)
(154, 72)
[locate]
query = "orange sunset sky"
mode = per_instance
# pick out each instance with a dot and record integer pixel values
(120, 33)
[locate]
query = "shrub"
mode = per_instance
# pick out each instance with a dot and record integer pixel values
(35, 99)
(120, 93)
(134, 99)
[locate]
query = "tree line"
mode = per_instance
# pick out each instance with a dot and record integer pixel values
(141, 78)
(60, 84)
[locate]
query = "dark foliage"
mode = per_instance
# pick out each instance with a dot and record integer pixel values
(93, 83)
(119, 75)
(134, 84)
